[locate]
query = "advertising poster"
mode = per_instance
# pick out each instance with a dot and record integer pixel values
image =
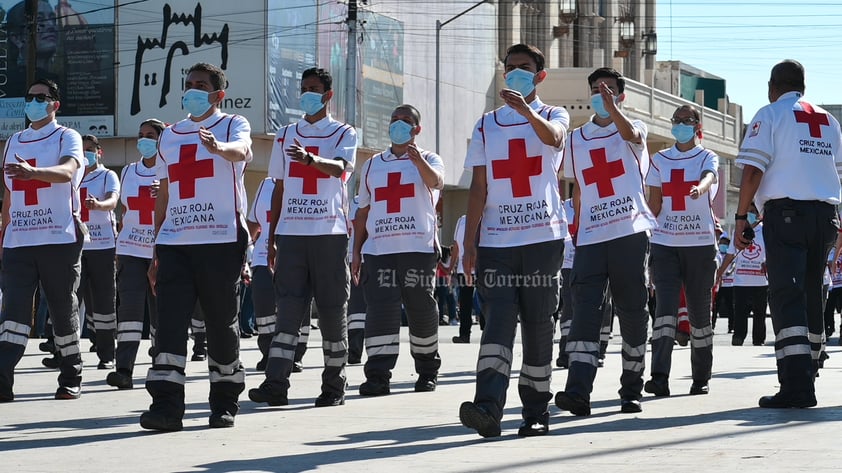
(159, 41)
(291, 49)
(75, 48)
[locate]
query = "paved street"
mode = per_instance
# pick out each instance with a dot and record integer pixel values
(408, 431)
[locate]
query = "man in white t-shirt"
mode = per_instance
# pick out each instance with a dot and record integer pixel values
(42, 237)
(514, 236)
(200, 249)
(395, 228)
(682, 183)
(311, 161)
(607, 159)
(791, 161)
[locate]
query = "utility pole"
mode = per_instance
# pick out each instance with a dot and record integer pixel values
(351, 66)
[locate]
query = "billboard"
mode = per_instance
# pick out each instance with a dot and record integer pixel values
(382, 74)
(291, 49)
(159, 41)
(75, 48)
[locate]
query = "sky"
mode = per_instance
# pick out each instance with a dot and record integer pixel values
(740, 41)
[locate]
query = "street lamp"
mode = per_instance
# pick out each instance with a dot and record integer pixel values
(439, 26)
(650, 43)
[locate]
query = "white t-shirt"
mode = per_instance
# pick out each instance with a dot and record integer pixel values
(609, 171)
(523, 204)
(137, 234)
(102, 226)
(314, 203)
(42, 213)
(683, 221)
(748, 270)
(797, 146)
(207, 198)
(402, 209)
(259, 213)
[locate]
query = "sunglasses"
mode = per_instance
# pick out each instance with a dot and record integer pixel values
(684, 121)
(39, 97)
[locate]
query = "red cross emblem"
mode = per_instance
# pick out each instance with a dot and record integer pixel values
(518, 168)
(187, 170)
(677, 189)
(310, 174)
(813, 119)
(143, 203)
(29, 187)
(268, 216)
(603, 172)
(85, 212)
(393, 192)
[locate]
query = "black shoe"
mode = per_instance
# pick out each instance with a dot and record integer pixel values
(534, 426)
(737, 342)
(105, 365)
(47, 347)
(780, 401)
(154, 421)
(374, 387)
(444, 322)
(221, 420)
(354, 360)
(658, 385)
(52, 362)
(7, 395)
(151, 352)
(561, 362)
(262, 395)
(199, 357)
(330, 400)
(758, 344)
(572, 402)
(119, 380)
(458, 339)
(600, 362)
(630, 406)
(682, 338)
(297, 367)
(426, 384)
(245, 335)
(699, 388)
(93, 347)
(261, 365)
(68, 392)
(475, 417)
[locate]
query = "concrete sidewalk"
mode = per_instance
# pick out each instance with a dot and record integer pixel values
(408, 431)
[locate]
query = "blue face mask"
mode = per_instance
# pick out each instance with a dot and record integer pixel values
(752, 218)
(683, 133)
(90, 156)
(521, 81)
(723, 248)
(196, 102)
(400, 132)
(598, 106)
(147, 147)
(311, 103)
(35, 110)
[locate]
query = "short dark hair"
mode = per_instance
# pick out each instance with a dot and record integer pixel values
(608, 73)
(529, 50)
(93, 139)
(54, 93)
(156, 124)
(217, 77)
(788, 75)
(412, 111)
(323, 75)
(692, 110)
